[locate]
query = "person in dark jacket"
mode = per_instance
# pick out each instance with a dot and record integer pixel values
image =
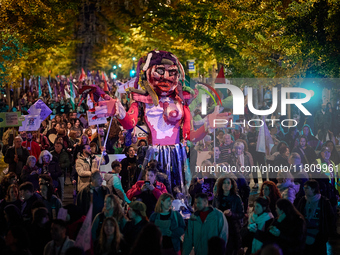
(319, 218)
(280, 161)
(307, 153)
(28, 195)
(288, 230)
(129, 169)
(137, 215)
(204, 182)
(230, 203)
(49, 166)
(269, 189)
(16, 156)
(94, 192)
(291, 138)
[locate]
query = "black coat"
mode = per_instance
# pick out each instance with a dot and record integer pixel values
(9, 159)
(292, 236)
(326, 216)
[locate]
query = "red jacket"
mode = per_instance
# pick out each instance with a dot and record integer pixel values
(33, 148)
(137, 190)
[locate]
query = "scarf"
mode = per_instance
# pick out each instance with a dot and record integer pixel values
(260, 222)
(312, 205)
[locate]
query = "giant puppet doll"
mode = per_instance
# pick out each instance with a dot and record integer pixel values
(158, 90)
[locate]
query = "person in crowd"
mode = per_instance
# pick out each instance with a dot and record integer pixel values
(288, 230)
(299, 174)
(147, 191)
(258, 157)
(8, 139)
(58, 118)
(334, 153)
(110, 239)
(79, 149)
(52, 203)
(40, 230)
(111, 208)
(226, 148)
(238, 133)
(86, 164)
(322, 122)
(60, 242)
(328, 167)
(241, 160)
(170, 223)
(16, 156)
(307, 153)
(88, 132)
(259, 221)
(12, 198)
(269, 189)
(94, 193)
(119, 146)
(291, 138)
(319, 216)
(114, 183)
(205, 223)
(230, 203)
(42, 140)
(32, 146)
(138, 220)
(98, 138)
(65, 139)
(28, 196)
(288, 189)
(73, 142)
(282, 158)
(129, 169)
(43, 127)
(219, 138)
(77, 127)
(64, 162)
(149, 239)
(23, 135)
(17, 241)
(8, 179)
(49, 166)
(203, 183)
(68, 128)
(30, 172)
(52, 133)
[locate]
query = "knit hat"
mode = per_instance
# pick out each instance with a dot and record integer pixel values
(138, 206)
(207, 138)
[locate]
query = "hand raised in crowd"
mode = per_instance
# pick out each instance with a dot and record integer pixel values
(151, 187)
(144, 187)
(102, 149)
(274, 231)
(228, 213)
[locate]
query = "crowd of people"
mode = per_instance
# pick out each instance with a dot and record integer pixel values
(295, 211)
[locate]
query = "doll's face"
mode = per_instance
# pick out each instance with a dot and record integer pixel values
(163, 78)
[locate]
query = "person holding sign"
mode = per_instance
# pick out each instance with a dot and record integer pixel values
(16, 156)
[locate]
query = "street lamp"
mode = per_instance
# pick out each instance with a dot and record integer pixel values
(120, 65)
(134, 59)
(114, 67)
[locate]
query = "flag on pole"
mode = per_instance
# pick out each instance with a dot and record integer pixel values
(83, 75)
(72, 95)
(49, 88)
(264, 140)
(106, 88)
(55, 92)
(67, 95)
(40, 92)
(83, 239)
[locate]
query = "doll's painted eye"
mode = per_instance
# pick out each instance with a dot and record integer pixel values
(172, 72)
(160, 71)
